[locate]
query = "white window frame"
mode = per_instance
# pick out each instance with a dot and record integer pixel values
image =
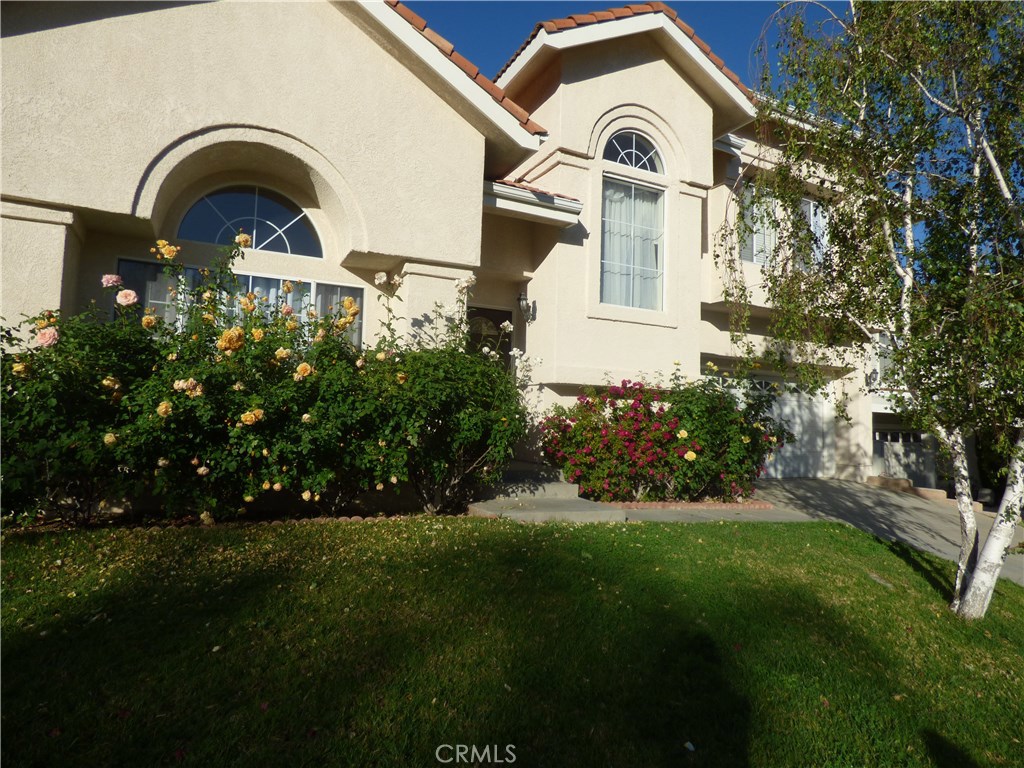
(635, 170)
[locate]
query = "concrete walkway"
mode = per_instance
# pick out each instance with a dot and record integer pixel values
(930, 526)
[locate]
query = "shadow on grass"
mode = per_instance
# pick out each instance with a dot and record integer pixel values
(522, 639)
(945, 753)
(925, 567)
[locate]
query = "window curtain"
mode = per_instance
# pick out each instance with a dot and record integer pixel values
(329, 298)
(632, 260)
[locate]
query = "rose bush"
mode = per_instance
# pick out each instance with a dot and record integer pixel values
(707, 439)
(61, 409)
(238, 399)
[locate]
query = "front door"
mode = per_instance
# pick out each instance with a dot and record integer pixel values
(485, 330)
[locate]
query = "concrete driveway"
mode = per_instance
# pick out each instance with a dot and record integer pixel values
(931, 526)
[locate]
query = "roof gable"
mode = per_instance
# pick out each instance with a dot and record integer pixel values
(732, 100)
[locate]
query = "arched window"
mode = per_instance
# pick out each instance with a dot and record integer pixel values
(632, 226)
(632, 149)
(273, 221)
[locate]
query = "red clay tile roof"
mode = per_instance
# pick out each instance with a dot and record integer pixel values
(472, 72)
(611, 14)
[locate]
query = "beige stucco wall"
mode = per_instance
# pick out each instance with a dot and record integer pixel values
(128, 119)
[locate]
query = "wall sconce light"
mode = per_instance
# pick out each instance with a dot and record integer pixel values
(524, 307)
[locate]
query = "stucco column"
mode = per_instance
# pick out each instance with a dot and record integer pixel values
(425, 288)
(854, 445)
(39, 254)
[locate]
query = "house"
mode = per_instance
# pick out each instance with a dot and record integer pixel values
(582, 187)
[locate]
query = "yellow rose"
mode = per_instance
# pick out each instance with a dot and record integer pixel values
(306, 495)
(266, 485)
(278, 486)
(690, 456)
(148, 321)
(304, 369)
(20, 369)
(287, 287)
(109, 439)
(243, 240)
(257, 334)
(746, 439)
(258, 413)
(682, 434)
(381, 356)
(402, 377)
(231, 339)
(291, 325)
(282, 353)
(164, 409)
(248, 418)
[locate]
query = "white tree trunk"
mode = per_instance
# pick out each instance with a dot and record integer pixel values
(982, 582)
(954, 440)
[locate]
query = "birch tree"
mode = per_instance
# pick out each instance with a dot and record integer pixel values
(893, 188)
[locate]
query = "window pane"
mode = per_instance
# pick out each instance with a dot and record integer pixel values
(153, 287)
(330, 298)
(633, 150)
(631, 246)
(273, 221)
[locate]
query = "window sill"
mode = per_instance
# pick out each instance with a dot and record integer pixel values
(621, 314)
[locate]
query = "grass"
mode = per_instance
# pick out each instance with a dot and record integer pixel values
(371, 644)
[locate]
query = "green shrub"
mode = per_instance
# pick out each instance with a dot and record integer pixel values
(238, 398)
(695, 440)
(64, 379)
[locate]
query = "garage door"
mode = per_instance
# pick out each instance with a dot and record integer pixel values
(811, 418)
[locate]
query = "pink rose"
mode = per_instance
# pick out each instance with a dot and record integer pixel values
(48, 336)
(286, 310)
(127, 297)
(111, 281)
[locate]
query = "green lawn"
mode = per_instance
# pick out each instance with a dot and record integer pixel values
(371, 644)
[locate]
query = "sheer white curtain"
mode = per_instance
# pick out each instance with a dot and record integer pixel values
(330, 298)
(648, 220)
(632, 256)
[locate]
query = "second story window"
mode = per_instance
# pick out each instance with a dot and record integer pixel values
(762, 229)
(632, 226)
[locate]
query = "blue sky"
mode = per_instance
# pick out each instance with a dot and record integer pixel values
(488, 32)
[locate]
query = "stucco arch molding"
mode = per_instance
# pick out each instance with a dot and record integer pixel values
(639, 118)
(250, 153)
